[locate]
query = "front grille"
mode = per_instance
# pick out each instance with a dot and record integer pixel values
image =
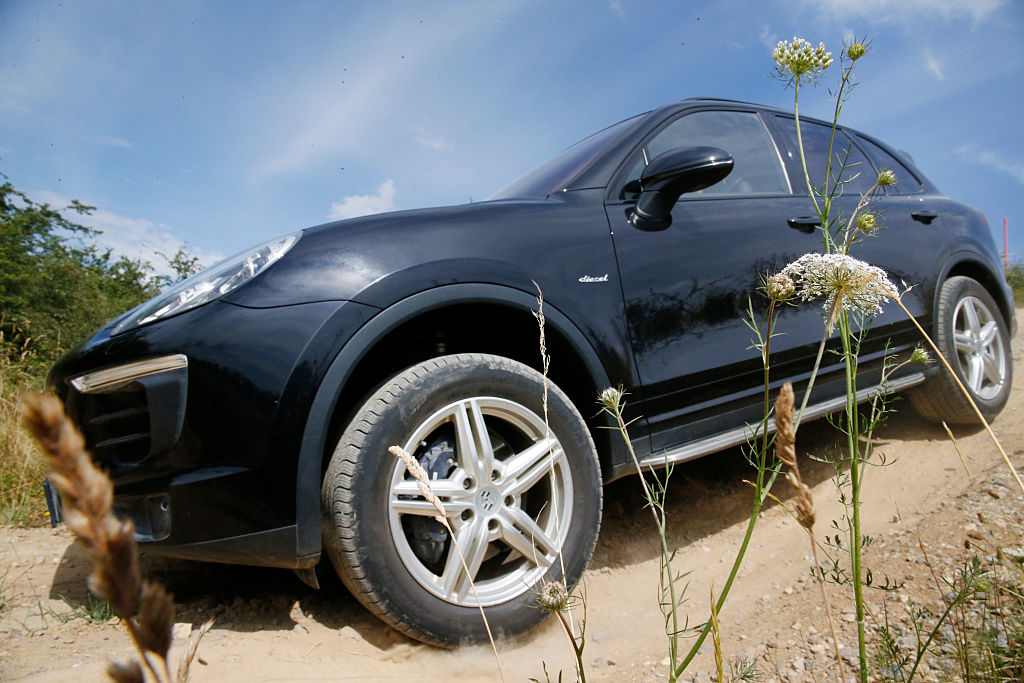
(130, 413)
(116, 425)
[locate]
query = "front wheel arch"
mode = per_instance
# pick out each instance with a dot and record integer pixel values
(325, 406)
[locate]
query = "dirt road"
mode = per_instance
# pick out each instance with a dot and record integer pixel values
(922, 509)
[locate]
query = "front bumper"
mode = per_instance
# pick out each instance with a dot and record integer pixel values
(198, 419)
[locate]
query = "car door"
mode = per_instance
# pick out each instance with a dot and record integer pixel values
(687, 288)
(905, 244)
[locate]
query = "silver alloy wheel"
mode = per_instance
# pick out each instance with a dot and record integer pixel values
(508, 501)
(979, 348)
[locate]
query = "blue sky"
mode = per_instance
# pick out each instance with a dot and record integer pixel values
(221, 124)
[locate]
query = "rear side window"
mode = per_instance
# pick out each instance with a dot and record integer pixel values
(906, 181)
(848, 163)
(757, 168)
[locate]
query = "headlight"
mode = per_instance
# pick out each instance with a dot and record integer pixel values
(210, 284)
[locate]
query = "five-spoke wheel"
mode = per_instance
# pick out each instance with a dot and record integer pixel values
(972, 334)
(522, 498)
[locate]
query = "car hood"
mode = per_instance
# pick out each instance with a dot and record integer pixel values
(348, 260)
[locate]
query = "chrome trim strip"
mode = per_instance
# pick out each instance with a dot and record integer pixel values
(110, 379)
(740, 435)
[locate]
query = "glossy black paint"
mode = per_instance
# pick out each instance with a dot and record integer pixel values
(276, 367)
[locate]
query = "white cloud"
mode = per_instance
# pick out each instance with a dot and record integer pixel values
(435, 142)
(891, 11)
(135, 238)
(1014, 169)
(366, 204)
(769, 38)
(934, 66)
(618, 9)
(110, 141)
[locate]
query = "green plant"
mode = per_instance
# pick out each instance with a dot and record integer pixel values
(21, 471)
(93, 609)
(1015, 278)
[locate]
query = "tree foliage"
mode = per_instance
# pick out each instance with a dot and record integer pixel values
(56, 286)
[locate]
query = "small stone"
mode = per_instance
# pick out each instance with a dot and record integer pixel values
(666, 661)
(182, 631)
(788, 590)
(598, 662)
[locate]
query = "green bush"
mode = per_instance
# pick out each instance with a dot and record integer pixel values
(56, 288)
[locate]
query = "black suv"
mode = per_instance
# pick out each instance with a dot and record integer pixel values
(245, 415)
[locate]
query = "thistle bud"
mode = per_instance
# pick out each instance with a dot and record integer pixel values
(779, 287)
(886, 178)
(856, 51)
(611, 398)
(866, 223)
(553, 597)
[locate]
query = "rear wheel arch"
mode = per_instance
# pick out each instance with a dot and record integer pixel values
(365, 361)
(967, 265)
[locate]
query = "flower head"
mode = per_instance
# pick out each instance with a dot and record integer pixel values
(920, 355)
(553, 597)
(867, 223)
(845, 283)
(779, 287)
(611, 398)
(886, 178)
(799, 62)
(856, 50)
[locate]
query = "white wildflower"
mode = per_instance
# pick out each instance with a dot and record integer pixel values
(844, 282)
(799, 61)
(779, 287)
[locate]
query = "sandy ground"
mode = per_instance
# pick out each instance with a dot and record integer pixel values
(923, 509)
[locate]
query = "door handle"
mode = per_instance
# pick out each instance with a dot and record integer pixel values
(925, 217)
(805, 223)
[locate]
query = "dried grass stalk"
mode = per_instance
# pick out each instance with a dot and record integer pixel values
(87, 498)
(188, 655)
(785, 451)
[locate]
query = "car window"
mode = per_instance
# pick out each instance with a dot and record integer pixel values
(906, 181)
(757, 167)
(554, 174)
(857, 174)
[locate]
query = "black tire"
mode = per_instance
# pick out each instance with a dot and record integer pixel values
(378, 529)
(972, 335)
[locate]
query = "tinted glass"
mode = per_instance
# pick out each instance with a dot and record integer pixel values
(756, 169)
(857, 174)
(554, 174)
(906, 182)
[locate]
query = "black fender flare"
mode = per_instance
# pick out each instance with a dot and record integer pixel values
(315, 434)
(1003, 296)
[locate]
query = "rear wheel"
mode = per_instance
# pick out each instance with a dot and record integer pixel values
(523, 498)
(972, 335)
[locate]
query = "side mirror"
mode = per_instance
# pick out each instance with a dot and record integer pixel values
(669, 175)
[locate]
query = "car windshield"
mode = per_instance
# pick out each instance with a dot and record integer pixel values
(555, 173)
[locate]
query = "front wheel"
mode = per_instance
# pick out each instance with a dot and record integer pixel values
(522, 498)
(973, 337)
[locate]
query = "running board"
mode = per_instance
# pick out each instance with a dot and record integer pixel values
(734, 437)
